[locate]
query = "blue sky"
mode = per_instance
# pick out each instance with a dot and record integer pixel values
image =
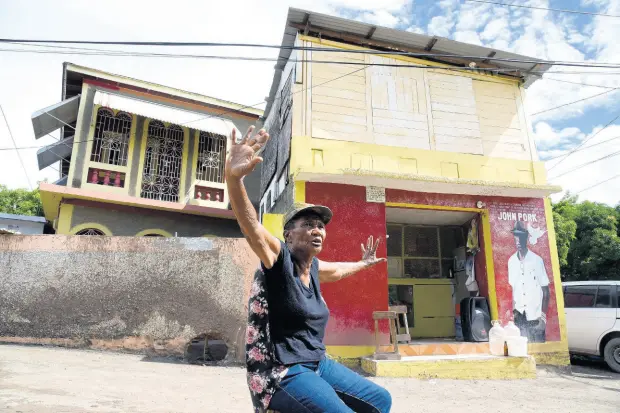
(30, 81)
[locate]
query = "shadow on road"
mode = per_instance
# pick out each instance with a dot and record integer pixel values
(180, 360)
(584, 370)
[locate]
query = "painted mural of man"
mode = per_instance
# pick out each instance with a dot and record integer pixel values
(530, 287)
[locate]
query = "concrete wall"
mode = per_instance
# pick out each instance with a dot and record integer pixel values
(144, 294)
(129, 221)
(23, 227)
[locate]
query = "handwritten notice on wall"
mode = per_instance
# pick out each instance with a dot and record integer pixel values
(375, 194)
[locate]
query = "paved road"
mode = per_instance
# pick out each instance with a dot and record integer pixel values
(54, 380)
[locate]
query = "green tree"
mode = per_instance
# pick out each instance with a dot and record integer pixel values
(20, 201)
(565, 229)
(564, 213)
(588, 239)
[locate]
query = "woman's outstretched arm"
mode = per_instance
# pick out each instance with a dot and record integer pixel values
(335, 271)
(241, 162)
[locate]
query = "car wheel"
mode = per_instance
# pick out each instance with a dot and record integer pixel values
(612, 354)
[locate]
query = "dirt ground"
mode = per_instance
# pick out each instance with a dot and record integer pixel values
(54, 380)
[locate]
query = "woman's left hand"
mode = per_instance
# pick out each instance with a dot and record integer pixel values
(369, 253)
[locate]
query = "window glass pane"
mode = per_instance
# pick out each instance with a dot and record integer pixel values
(422, 268)
(394, 241)
(617, 297)
(603, 298)
(421, 242)
(395, 267)
(579, 296)
(451, 238)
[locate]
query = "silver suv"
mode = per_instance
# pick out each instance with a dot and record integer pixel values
(593, 319)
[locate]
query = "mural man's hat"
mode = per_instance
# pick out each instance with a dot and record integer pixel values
(519, 228)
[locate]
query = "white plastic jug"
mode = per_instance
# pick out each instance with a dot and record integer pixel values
(497, 336)
(511, 330)
(517, 346)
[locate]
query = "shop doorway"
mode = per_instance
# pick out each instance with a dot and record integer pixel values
(426, 254)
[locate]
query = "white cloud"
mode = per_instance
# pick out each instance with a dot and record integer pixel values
(468, 36)
(582, 169)
(391, 5)
(448, 4)
(496, 29)
(548, 138)
(416, 29)
(380, 17)
(440, 26)
(473, 16)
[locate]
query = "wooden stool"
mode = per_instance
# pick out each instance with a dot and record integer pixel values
(401, 310)
(391, 317)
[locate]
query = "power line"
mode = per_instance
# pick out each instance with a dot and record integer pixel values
(15, 145)
(578, 150)
(578, 83)
(30, 42)
(497, 71)
(268, 59)
(584, 142)
(543, 8)
(571, 103)
(586, 164)
(596, 184)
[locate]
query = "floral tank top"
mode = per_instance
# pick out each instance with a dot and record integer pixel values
(263, 371)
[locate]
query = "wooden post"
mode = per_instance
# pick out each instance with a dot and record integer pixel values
(377, 336)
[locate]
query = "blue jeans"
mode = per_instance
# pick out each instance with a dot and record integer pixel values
(330, 387)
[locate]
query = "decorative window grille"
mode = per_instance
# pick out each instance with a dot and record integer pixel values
(90, 231)
(161, 175)
(211, 157)
(111, 139)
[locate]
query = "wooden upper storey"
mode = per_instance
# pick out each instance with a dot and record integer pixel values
(409, 107)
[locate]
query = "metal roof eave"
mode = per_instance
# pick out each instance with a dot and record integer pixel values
(395, 37)
(69, 67)
(54, 152)
(192, 120)
(53, 117)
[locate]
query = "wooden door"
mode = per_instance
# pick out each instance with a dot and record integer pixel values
(433, 311)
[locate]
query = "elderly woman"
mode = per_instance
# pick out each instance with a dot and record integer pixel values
(300, 377)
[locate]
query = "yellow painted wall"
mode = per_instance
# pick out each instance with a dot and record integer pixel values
(274, 224)
(331, 156)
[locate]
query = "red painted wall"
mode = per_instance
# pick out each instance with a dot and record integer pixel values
(501, 212)
(352, 301)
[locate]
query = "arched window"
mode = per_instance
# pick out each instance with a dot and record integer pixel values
(90, 231)
(111, 138)
(161, 175)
